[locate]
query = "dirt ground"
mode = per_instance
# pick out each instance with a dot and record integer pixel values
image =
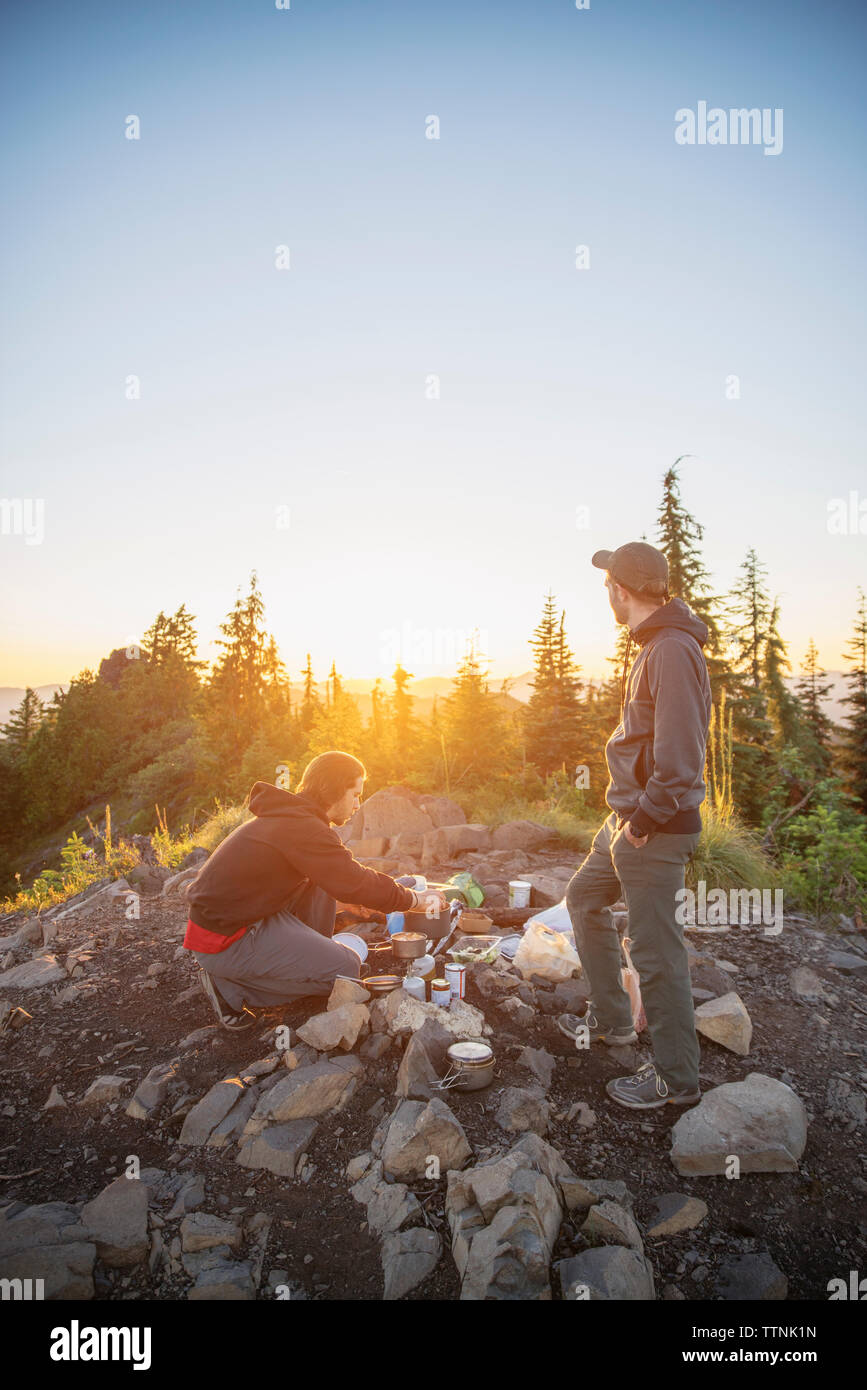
(113, 1018)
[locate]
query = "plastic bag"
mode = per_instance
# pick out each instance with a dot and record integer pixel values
(557, 917)
(548, 953)
(632, 985)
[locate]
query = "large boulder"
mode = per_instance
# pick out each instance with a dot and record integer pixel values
(408, 1257)
(278, 1148)
(389, 813)
(340, 1027)
(442, 846)
(608, 1272)
(527, 835)
(117, 1223)
(760, 1121)
(304, 1094)
(442, 811)
(419, 1132)
(213, 1107)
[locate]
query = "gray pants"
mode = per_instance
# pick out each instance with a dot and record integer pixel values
(283, 957)
(649, 879)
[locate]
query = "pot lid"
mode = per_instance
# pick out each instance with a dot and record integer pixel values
(468, 1051)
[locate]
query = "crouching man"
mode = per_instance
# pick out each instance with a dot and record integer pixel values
(262, 908)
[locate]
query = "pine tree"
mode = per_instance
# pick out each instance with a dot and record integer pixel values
(812, 689)
(310, 702)
(553, 725)
(783, 708)
(679, 536)
(405, 723)
(476, 733)
(23, 723)
(338, 723)
(855, 737)
(749, 619)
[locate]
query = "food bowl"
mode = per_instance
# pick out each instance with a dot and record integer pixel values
(476, 923)
(475, 950)
(382, 984)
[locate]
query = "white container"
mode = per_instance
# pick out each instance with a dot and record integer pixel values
(415, 987)
(519, 893)
(352, 943)
(441, 992)
(457, 978)
(422, 965)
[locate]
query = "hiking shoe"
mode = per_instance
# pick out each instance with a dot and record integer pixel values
(646, 1090)
(581, 1026)
(232, 1021)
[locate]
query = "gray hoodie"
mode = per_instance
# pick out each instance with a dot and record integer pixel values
(656, 755)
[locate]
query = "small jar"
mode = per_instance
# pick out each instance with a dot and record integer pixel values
(440, 992)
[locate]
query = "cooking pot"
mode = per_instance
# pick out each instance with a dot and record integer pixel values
(471, 1066)
(434, 928)
(408, 945)
(382, 984)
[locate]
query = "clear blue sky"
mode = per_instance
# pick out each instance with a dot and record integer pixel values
(305, 388)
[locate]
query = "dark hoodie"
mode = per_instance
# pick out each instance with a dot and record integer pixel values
(261, 866)
(656, 754)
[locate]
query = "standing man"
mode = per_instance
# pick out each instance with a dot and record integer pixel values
(262, 908)
(656, 759)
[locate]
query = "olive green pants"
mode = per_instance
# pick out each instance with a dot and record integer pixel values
(649, 879)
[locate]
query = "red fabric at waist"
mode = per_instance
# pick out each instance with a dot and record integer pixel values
(210, 942)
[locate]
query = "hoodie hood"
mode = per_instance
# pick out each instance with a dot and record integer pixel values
(267, 800)
(674, 614)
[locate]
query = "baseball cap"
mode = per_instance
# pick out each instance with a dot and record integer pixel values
(636, 566)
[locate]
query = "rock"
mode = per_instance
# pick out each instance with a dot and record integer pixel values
(674, 1212)
(752, 1278)
(55, 1100)
(231, 1127)
(195, 858)
(508, 1259)
(408, 1257)
(67, 1269)
(389, 813)
(513, 1181)
(176, 886)
(760, 1120)
(844, 1103)
(494, 984)
(207, 1113)
(407, 1015)
(390, 1206)
(104, 1090)
(363, 1190)
(442, 846)
(197, 1037)
(418, 1132)
(278, 1148)
(517, 1012)
(523, 1108)
(117, 1221)
(346, 991)
(339, 1027)
(570, 996)
(609, 1272)
(371, 847)
(189, 1196)
(843, 961)
(581, 1193)
(424, 1061)
(304, 1094)
(805, 984)
(539, 1062)
(152, 1091)
(33, 974)
(524, 835)
(227, 1281)
(547, 890)
(612, 1224)
(358, 1166)
(726, 1021)
(375, 1047)
(201, 1231)
(300, 1056)
(148, 879)
(705, 975)
(442, 811)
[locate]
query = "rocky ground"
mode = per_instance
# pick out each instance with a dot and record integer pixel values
(544, 1167)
